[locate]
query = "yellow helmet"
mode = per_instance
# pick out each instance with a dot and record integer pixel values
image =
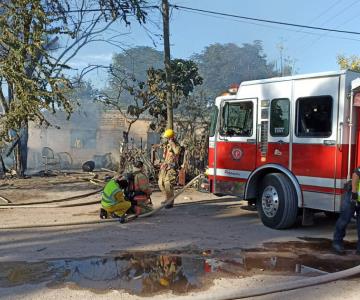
(206, 172)
(169, 133)
(164, 282)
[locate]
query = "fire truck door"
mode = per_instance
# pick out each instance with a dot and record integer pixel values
(314, 142)
(355, 85)
(273, 132)
(235, 155)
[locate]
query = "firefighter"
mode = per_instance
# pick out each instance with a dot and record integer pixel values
(169, 167)
(350, 204)
(113, 200)
(141, 189)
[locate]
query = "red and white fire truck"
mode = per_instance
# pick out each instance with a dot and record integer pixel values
(287, 144)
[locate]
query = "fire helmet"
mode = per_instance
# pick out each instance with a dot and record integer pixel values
(169, 133)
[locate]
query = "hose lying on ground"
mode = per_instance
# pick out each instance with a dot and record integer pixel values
(106, 220)
(107, 170)
(240, 293)
(150, 213)
(49, 206)
(5, 200)
(13, 205)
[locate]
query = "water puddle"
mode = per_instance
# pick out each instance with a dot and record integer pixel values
(149, 273)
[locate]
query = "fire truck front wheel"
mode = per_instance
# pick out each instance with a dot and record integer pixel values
(277, 201)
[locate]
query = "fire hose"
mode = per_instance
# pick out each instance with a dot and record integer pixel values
(33, 204)
(129, 218)
(241, 293)
(9, 203)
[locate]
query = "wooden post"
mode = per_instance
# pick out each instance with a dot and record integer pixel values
(166, 34)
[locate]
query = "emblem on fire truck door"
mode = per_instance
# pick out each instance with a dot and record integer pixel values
(236, 153)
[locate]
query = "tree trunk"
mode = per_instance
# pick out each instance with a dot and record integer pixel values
(22, 151)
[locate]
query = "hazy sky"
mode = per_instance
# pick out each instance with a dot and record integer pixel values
(312, 50)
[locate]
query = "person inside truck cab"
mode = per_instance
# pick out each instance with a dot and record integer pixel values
(350, 205)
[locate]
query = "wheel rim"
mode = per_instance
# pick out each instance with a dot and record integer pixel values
(270, 201)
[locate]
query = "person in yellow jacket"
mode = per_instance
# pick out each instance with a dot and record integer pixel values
(113, 200)
(169, 167)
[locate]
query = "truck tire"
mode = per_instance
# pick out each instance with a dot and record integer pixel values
(277, 201)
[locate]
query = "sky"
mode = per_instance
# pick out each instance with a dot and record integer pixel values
(311, 50)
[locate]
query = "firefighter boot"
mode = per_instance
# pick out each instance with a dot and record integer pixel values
(120, 218)
(103, 214)
(170, 205)
(338, 247)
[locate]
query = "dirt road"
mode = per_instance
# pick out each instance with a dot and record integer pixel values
(204, 244)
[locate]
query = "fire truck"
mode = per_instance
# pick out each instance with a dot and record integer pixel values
(287, 145)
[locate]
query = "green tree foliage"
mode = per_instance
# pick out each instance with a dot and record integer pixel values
(132, 63)
(36, 80)
(349, 63)
(25, 64)
(223, 64)
(149, 96)
(185, 77)
(136, 61)
(35, 77)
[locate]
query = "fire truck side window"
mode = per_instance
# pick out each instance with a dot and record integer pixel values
(237, 119)
(314, 116)
(214, 116)
(279, 117)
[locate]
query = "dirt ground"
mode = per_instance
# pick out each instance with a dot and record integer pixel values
(199, 223)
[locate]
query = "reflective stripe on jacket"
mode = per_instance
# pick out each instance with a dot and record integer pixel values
(141, 183)
(108, 195)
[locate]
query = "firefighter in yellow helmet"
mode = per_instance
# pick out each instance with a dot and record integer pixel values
(170, 166)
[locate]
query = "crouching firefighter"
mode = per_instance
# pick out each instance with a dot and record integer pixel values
(139, 191)
(114, 202)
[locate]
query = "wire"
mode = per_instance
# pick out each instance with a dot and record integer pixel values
(106, 9)
(274, 27)
(317, 17)
(306, 47)
(331, 18)
(185, 8)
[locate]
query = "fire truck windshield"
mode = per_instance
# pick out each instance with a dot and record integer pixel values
(214, 116)
(237, 119)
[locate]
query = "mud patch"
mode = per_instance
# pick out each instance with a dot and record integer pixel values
(149, 273)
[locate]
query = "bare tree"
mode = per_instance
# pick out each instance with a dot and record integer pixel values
(38, 39)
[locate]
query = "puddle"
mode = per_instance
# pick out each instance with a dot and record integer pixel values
(149, 273)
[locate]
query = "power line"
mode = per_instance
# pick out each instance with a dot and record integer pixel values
(317, 17)
(277, 28)
(331, 18)
(185, 8)
(335, 3)
(312, 42)
(105, 9)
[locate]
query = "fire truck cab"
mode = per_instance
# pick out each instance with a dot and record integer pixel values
(287, 144)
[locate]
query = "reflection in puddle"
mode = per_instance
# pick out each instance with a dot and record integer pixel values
(147, 273)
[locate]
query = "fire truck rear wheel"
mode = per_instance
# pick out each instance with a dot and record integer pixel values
(277, 201)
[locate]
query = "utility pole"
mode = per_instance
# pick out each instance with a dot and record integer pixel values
(281, 50)
(166, 34)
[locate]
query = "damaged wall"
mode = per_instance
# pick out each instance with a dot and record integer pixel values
(96, 136)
